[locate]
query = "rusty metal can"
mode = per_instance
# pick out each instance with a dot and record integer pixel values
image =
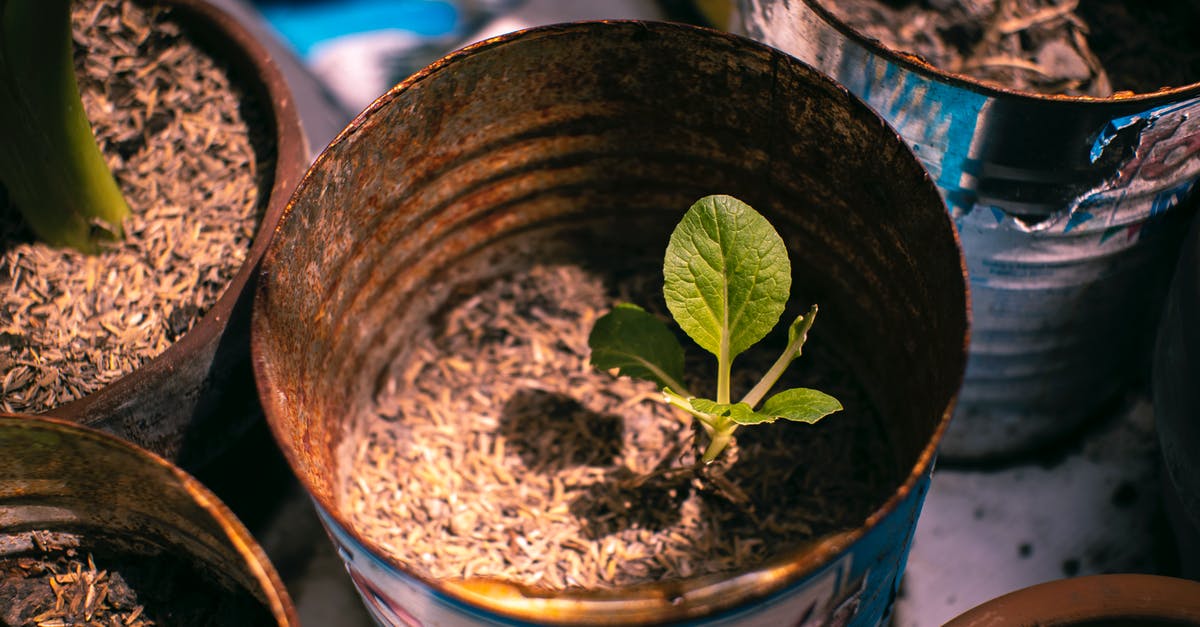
(1066, 211)
(581, 142)
(67, 489)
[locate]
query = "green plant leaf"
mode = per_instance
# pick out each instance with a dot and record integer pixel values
(797, 335)
(639, 345)
(726, 275)
(799, 405)
(739, 413)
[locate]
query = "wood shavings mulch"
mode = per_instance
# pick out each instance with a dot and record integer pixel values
(1091, 48)
(189, 154)
(502, 453)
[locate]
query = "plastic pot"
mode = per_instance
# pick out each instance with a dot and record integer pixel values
(1067, 210)
(189, 402)
(567, 143)
(82, 490)
(1094, 600)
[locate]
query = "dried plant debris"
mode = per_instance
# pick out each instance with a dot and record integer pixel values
(1073, 47)
(67, 592)
(502, 453)
(55, 586)
(188, 153)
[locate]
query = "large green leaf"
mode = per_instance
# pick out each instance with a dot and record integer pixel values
(638, 344)
(796, 404)
(799, 405)
(726, 275)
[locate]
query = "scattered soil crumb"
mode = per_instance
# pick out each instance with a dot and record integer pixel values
(502, 453)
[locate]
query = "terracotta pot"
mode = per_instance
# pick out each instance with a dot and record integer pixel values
(1068, 209)
(189, 402)
(1177, 402)
(1113, 600)
(73, 487)
(569, 143)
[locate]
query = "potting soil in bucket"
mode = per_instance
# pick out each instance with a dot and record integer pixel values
(421, 337)
(1066, 202)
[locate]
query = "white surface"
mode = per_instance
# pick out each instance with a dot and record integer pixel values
(984, 533)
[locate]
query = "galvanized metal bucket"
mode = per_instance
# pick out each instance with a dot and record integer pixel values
(69, 488)
(1066, 211)
(568, 143)
(1177, 403)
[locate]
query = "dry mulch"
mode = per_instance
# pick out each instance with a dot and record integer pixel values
(187, 152)
(66, 592)
(1093, 48)
(59, 586)
(502, 453)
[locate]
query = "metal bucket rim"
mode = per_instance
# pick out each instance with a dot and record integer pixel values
(278, 600)
(919, 65)
(782, 572)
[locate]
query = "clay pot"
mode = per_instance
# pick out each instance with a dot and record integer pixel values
(1067, 210)
(568, 143)
(71, 487)
(1147, 600)
(188, 403)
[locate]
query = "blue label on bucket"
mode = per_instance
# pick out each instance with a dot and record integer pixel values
(856, 588)
(937, 120)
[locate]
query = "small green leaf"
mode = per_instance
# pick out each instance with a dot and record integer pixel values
(726, 275)
(799, 405)
(736, 412)
(638, 344)
(798, 331)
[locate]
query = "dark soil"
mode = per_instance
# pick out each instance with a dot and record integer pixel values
(501, 453)
(66, 589)
(1075, 47)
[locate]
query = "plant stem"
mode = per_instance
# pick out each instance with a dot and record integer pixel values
(719, 440)
(724, 365)
(798, 335)
(50, 164)
(681, 402)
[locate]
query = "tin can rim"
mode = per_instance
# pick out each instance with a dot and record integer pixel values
(919, 65)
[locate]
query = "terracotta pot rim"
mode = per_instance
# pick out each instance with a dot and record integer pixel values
(919, 65)
(277, 598)
(786, 570)
(291, 152)
(1080, 600)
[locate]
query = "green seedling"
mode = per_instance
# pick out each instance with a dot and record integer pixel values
(726, 281)
(49, 161)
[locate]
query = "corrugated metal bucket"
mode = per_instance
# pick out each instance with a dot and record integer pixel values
(1177, 403)
(67, 490)
(1065, 207)
(576, 143)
